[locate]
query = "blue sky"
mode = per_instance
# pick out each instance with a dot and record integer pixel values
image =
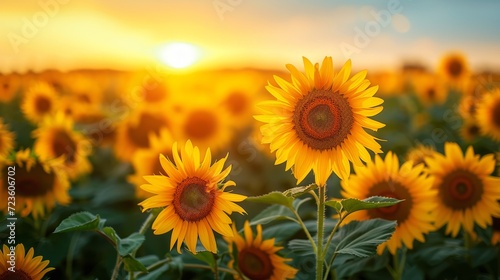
(242, 33)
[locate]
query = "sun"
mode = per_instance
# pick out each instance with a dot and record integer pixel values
(179, 55)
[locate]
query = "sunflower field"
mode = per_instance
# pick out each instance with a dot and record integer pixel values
(319, 170)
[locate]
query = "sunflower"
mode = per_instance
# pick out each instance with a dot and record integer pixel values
(468, 106)
(205, 126)
(134, 132)
(83, 99)
(386, 178)
(390, 83)
(39, 101)
(195, 204)
(39, 184)
(9, 86)
(237, 93)
(56, 137)
(148, 90)
(145, 161)
(454, 68)
(470, 130)
(6, 140)
(26, 265)
(466, 193)
(488, 114)
(317, 122)
(430, 89)
(419, 153)
(257, 258)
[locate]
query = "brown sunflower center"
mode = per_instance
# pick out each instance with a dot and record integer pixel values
(148, 123)
(461, 189)
(192, 201)
(255, 264)
(473, 130)
(399, 212)
(63, 145)
(84, 98)
(496, 114)
(155, 93)
(42, 104)
(18, 275)
(496, 224)
(455, 68)
(431, 93)
(33, 183)
(200, 124)
(236, 103)
(323, 119)
(5, 86)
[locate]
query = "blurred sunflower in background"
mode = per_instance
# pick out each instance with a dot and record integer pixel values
(83, 99)
(430, 89)
(195, 204)
(145, 161)
(10, 84)
(144, 90)
(466, 192)
(470, 130)
(257, 258)
(40, 184)
(386, 178)
(56, 137)
(206, 126)
(237, 94)
(454, 69)
(26, 265)
(6, 140)
(39, 101)
(318, 120)
(135, 131)
(419, 153)
(488, 114)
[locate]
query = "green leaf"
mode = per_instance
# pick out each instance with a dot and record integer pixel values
(352, 204)
(124, 246)
(335, 204)
(273, 198)
(79, 222)
(298, 202)
(301, 247)
(111, 233)
(361, 238)
(281, 231)
(271, 213)
(298, 191)
(129, 244)
(131, 264)
(206, 257)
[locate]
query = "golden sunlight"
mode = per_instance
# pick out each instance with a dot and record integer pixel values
(179, 55)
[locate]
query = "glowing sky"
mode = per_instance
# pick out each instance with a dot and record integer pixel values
(127, 34)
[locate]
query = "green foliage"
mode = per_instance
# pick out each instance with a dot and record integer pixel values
(361, 238)
(79, 222)
(273, 198)
(351, 205)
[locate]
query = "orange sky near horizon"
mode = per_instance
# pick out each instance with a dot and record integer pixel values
(128, 35)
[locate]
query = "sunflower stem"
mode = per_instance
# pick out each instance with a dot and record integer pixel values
(308, 234)
(330, 237)
(321, 218)
(116, 270)
(147, 224)
(399, 264)
(142, 230)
